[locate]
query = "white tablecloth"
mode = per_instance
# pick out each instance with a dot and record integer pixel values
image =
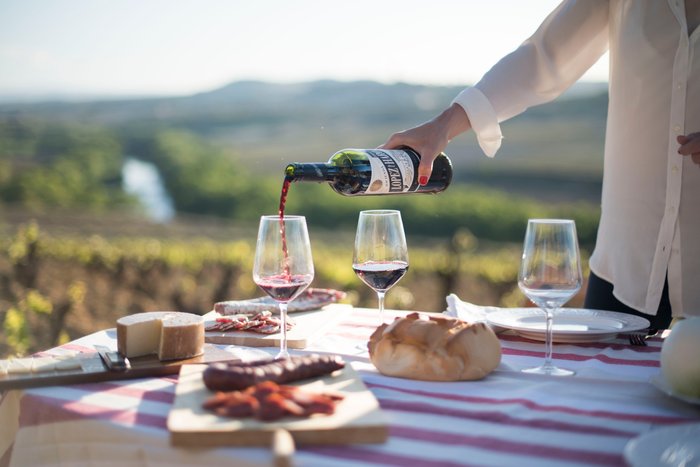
(509, 418)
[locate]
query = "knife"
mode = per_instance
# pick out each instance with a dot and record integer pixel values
(113, 360)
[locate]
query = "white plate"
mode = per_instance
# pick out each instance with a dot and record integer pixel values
(662, 385)
(570, 325)
(676, 445)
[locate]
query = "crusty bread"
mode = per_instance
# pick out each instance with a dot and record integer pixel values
(434, 349)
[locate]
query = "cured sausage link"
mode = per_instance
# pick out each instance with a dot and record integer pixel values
(223, 376)
(310, 299)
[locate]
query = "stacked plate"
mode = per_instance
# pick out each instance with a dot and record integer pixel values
(570, 325)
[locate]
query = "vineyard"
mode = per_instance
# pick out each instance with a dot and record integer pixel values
(76, 252)
(58, 288)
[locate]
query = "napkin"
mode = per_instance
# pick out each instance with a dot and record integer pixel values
(470, 312)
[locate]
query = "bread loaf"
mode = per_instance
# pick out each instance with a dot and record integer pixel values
(434, 349)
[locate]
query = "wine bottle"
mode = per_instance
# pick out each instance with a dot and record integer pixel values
(355, 172)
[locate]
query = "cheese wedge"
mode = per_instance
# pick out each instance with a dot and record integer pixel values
(19, 365)
(38, 364)
(43, 364)
(67, 362)
(169, 334)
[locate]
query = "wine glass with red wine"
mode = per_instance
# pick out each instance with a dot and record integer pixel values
(381, 256)
(283, 265)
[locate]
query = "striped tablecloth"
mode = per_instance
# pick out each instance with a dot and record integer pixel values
(509, 418)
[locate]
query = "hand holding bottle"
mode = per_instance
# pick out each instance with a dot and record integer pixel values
(431, 138)
(358, 172)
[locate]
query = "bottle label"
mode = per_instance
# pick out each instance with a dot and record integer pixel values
(393, 171)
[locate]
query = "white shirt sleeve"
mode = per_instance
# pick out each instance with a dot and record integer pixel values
(569, 41)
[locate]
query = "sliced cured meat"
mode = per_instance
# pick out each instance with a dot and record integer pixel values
(268, 401)
(261, 322)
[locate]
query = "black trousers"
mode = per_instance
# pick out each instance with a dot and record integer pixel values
(599, 296)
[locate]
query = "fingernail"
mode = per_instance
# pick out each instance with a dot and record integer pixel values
(422, 180)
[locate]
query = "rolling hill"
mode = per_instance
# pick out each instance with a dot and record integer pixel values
(553, 151)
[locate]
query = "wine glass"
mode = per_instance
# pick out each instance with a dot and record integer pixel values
(380, 257)
(550, 274)
(283, 265)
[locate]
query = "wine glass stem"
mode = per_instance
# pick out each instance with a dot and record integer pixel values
(283, 353)
(380, 298)
(548, 337)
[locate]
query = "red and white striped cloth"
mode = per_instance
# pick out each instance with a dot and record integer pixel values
(508, 418)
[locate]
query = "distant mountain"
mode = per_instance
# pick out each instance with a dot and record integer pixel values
(246, 101)
(255, 99)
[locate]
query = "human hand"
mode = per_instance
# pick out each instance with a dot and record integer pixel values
(690, 146)
(431, 138)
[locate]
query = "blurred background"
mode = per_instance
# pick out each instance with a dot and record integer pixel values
(140, 142)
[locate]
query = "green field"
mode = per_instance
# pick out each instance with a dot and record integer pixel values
(77, 251)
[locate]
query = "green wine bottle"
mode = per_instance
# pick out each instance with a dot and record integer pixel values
(356, 172)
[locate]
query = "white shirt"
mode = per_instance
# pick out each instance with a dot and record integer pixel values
(650, 216)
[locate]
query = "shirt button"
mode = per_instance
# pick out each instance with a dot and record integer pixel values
(674, 169)
(677, 128)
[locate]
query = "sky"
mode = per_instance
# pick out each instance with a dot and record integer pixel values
(180, 47)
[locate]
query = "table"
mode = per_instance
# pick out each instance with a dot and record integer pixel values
(509, 418)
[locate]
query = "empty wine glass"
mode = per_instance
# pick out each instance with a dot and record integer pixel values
(380, 257)
(550, 274)
(283, 265)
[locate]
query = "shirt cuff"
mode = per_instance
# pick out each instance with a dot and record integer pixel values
(483, 119)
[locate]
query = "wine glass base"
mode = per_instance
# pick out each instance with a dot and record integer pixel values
(282, 355)
(549, 370)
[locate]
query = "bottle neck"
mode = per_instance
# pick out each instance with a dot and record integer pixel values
(308, 172)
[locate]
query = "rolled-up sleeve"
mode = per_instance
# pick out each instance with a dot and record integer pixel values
(483, 119)
(567, 43)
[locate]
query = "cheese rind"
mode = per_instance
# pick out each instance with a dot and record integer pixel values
(181, 337)
(169, 334)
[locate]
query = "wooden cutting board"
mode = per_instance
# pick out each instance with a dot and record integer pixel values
(307, 326)
(90, 369)
(357, 419)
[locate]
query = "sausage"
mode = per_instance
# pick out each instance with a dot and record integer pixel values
(224, 376)
(310, 299)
